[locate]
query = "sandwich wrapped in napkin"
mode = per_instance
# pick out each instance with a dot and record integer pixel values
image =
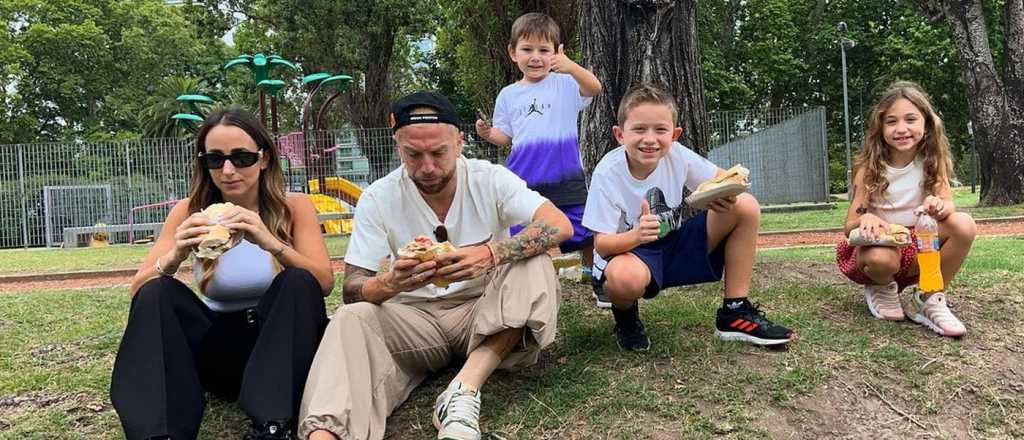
(894, 235)
(216, 242)
(424, 249)
(730, 183)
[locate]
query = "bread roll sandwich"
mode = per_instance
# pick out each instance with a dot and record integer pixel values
(732, 182)
(424, 249)
(893, 235)
(220, 238)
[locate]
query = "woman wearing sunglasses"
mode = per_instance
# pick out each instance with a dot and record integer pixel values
(253, 331)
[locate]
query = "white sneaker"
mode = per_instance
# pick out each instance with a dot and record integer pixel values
(934, 314)
(884, 301)
(457, 413)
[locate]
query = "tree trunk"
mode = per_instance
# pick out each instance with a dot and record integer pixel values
(371, 104)
(629, 41)
(996, 102)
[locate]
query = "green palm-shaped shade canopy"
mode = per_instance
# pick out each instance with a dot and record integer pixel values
(314, 79)
(193, 101)
(339, 81)
(187, 118)
(259, 65)
(271, 86)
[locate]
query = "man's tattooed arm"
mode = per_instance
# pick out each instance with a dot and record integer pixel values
(355, 279)
(535, 239)
(548, 228)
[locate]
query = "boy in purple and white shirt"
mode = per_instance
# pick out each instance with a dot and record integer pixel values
(538, 116)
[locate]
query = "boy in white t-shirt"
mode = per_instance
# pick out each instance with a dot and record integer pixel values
(538, 115)
(641, 181)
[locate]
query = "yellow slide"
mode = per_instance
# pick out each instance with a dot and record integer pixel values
(328, 204)
(343, 189)
(335, 188)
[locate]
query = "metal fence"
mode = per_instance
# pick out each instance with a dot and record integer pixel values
(48, 189)
(785, 150)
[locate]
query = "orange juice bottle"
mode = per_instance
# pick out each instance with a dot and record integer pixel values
(928, 259)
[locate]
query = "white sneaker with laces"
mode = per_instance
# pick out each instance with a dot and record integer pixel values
(457, 413)
(934, 313)
(884, 301)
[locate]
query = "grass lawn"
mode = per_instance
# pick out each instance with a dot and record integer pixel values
(847, 375)
(825, 218)
(26, 261)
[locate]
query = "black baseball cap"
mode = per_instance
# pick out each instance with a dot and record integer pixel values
(401, 110)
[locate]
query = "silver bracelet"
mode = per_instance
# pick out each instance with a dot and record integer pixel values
(160, 269)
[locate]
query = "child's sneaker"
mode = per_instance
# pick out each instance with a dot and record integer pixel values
(933, 313)
(629, 330)
(457, 413)
(884, 301)
(599, 296)
(742, 321)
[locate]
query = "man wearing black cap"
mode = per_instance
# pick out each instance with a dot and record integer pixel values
(499, 307)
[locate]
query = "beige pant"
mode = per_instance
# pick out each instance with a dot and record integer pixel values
(373, 356)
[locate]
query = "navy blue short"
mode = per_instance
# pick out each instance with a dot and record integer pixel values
(681, 258)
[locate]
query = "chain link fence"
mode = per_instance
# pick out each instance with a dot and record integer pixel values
(51, 193)
(55, 194)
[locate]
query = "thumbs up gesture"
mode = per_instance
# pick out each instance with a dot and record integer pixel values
(561, 63)
(648, 227)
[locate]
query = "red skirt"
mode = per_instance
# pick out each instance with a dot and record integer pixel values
(846, 259)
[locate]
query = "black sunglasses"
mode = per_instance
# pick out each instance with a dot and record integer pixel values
(240, 159)
(441, 234)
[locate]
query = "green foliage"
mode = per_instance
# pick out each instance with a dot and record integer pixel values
(163, 103)
(82, 69)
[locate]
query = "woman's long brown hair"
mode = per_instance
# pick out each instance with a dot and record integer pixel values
(273, 209)
(933, 148)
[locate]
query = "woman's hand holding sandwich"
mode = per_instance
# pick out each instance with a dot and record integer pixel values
(239, 219)
(187, 236)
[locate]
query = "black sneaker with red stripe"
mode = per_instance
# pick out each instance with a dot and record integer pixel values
(743, 321)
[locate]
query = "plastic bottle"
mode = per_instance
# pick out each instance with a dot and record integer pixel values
(928, 259)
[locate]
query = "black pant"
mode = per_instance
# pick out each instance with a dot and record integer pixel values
(174, 347)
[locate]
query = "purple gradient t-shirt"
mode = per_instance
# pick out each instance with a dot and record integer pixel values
(541, 119)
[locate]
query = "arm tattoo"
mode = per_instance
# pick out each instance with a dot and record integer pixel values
(355, 278)
(535, 239)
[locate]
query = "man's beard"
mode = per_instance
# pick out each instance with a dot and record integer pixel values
(435, 188)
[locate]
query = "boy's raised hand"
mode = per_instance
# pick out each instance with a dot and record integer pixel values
(483, 129)
(561, 63)
(648, 228)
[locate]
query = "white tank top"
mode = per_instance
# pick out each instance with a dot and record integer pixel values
(903, 195)
(243, 274)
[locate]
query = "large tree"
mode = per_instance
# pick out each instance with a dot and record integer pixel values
(995, 95)
(629, 41)
(81, 69)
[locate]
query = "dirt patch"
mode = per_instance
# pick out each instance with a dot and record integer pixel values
(83, 408)
(816, 272)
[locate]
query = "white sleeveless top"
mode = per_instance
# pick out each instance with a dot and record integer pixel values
(903, 195)
(243, 274)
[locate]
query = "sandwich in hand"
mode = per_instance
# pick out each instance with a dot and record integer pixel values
(730, 183)
(424, 249)
(893, 235)
(220, 238)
